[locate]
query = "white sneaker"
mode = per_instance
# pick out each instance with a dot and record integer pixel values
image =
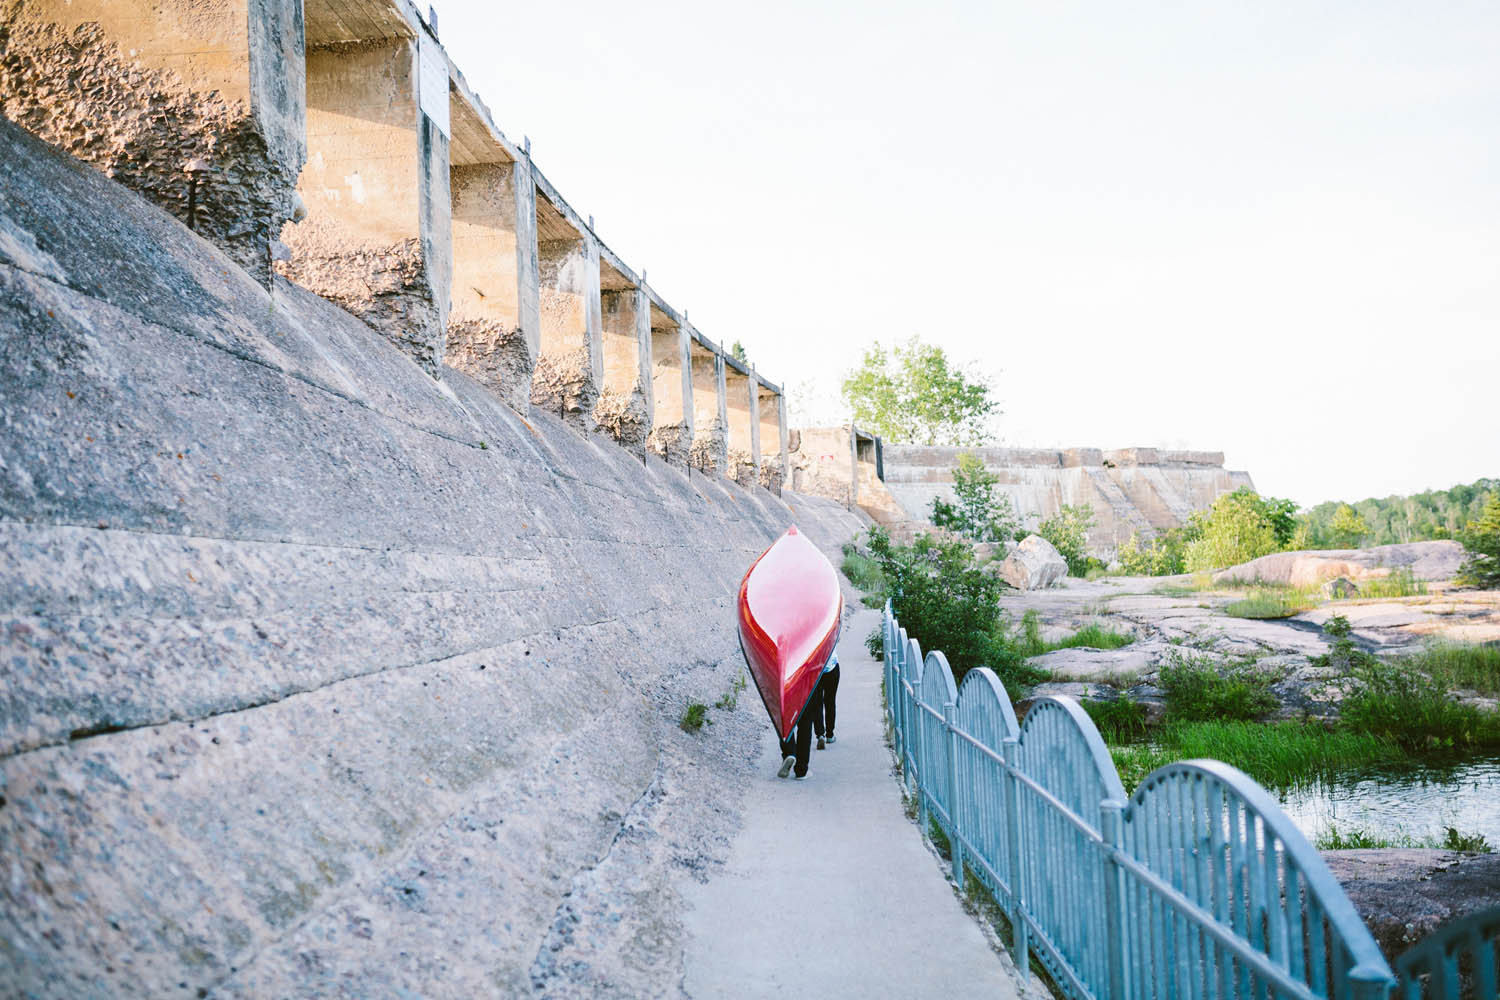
(786, 767)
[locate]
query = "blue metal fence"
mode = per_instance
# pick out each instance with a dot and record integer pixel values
(1197, 886)
(1457, 960)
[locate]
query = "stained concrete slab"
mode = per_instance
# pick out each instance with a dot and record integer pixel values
(829, 890)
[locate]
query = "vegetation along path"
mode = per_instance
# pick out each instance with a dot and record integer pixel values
(829, 890)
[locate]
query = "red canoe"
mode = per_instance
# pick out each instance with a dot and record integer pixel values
(790, 609)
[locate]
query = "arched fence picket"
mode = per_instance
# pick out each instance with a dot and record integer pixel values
(1197, 886)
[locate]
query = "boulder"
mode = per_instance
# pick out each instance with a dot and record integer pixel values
(1435, 560)
(1033, 565)
(1339, 588)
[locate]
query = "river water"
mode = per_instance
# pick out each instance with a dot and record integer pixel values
(1418, 801)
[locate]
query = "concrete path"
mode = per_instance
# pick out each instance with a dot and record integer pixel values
(829, 891)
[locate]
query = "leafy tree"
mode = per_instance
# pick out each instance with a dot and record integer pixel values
(1068, 531)
(1281, 514)
(1347, 528)
(948, 603)
(1415, 518)
(1161, 556)
(1481, 540)
(913, 394)
(737, 349)
(1237, 528)
(979, 514)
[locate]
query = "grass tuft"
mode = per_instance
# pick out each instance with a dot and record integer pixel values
(863, 572)
(693, 717)
(1029, 642)
(1399, 583)
(1334, 839)
(1197, 690)
(1271, 602)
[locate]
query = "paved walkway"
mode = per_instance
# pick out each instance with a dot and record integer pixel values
(828, 891)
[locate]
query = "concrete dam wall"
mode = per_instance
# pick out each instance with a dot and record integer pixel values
(1130, 490)
(322, 676)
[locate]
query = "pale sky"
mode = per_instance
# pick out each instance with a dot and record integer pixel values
(1269, 229)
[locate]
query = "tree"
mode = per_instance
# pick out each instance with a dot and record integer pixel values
(1347, 528)
(913, 394)
(737, 351)
(978, 515)
(1068, 531)
(1481, 540)
(1237, 528)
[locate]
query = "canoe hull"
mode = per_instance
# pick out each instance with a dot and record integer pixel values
(789, 612)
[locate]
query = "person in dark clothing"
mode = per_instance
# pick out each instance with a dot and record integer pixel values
(796, 748)
(829, 685)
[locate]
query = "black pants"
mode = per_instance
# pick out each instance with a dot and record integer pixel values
(829, 686)
(799, 744)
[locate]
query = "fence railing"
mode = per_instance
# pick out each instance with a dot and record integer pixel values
(1460, 959)
(1197, 886)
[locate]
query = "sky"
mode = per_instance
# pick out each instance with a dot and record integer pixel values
(1267, 229)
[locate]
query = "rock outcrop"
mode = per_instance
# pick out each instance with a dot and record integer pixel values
(1436, 560)
(321, 676)
(1405, 894)
(1033, 564)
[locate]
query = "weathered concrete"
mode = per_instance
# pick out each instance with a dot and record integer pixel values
(710, 449)
(771, 439)
(1131, 490)
(199, 108)
(828, 890)
(625, 408)
(570, 363)
(494, 329)
(322, 677)
(377, 239)
(672, 386)
(739, 410)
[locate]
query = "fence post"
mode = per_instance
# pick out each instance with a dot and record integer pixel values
(956, 838)
(1370, 984)
(1111, 828)
(1010, 749)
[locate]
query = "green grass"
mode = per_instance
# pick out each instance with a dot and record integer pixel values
(1118, 721)
(693, 717)
(1029, 642)
(1334, 839)
(1271, 602)
(1460, 665)
(1400, 703)
(1278, 755)
(1198, 690)
(1400, 583)
(864, 573)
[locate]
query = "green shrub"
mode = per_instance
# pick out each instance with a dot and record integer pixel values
(693, 717)
(1164, 555)
(863, 571)
(1481, 541)
(1240, 526)
(875, 642)
(1120, 720)
(1472, 843)
(947, 603)
(1399, 702)
(1068, 531)
(1197, 690)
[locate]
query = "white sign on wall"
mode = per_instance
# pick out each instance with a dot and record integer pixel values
(432, 81)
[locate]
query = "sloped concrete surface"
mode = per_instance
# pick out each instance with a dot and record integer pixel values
(829, 891)
(322, 678)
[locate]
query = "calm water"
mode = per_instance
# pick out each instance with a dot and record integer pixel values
(1417, 802)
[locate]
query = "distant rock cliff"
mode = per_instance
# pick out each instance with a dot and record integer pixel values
(1131, 490)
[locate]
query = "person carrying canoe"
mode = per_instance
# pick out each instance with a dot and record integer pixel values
(828, 685)
(788, 616)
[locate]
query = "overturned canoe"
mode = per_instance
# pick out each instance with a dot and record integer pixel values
(790, 609)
